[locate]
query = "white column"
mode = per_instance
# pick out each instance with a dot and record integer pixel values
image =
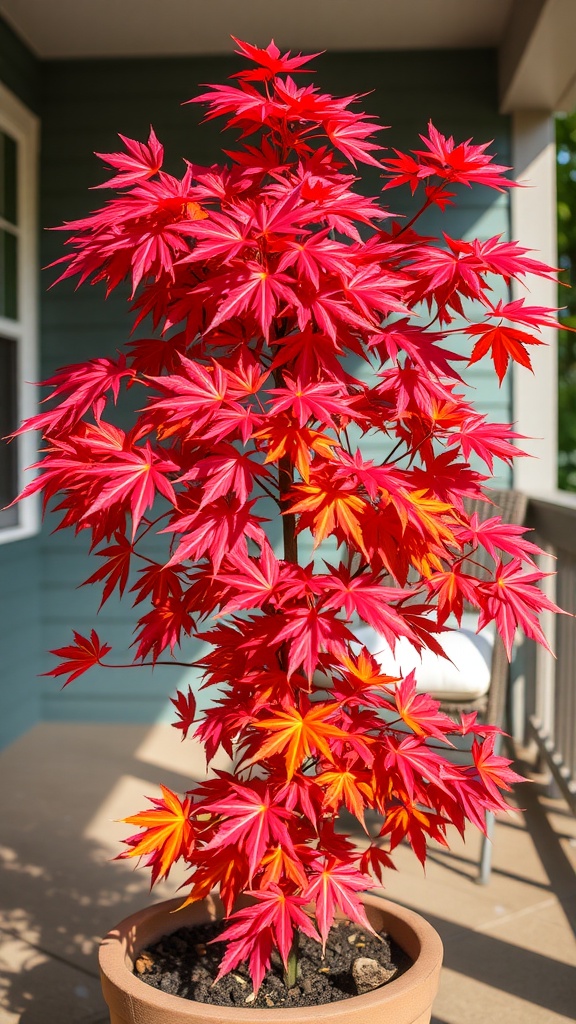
(535, 397)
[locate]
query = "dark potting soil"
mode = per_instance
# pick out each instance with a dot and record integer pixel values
(185, 964)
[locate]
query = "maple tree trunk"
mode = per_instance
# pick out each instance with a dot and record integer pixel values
(291, 972)
(285, 480)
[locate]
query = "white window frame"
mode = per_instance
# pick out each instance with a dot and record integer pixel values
(20, 123)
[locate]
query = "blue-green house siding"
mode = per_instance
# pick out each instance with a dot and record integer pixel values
(20, 71)
(20, 625)
(83, 105)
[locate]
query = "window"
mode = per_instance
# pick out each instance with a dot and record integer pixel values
(18, 307)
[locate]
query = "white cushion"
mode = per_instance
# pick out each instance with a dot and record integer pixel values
(466, 676)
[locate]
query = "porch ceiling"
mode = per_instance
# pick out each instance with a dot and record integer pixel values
(534, 38)
(134, 28)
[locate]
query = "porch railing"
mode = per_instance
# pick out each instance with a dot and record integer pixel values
(547, 685)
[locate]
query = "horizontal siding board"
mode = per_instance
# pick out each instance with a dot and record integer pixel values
(19, 624)
(106, 709)
(19, 69)
(20, 638)
(25, 691)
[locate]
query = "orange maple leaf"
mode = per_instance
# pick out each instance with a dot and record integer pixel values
(297, 736)
(286, 438)
(363, 672)
(168, 833)
(279, 864)
(221, 870)
(428, 515)
(330, 507)
(406, 819)
(348, 788)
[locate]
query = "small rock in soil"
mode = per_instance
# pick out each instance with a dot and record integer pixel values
(186, 963)
(369, 974)
(145, 962)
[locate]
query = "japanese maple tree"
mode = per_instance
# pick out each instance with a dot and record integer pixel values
(293, 320)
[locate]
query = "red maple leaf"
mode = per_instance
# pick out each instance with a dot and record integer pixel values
(270, 61)
(226, 470)
(78, 657)
(334, 886)
(495, 535)
(269, 922)
(376, 861)
(252, 288)
(452, 589)
(487, 440)
(366, 597)
(133, 477)
(215, 530)
(511, 601)
(420, 711)
(465, 163)
(252, 820)
(255, 581)
(350, 135)
(185, 705)
(285, 439)
(530, 316)
(504, 343)
(140, 161)
(116, 570)
(345, 786)
(308, 630)
(218, 236)
(163, 627)
(494, 770)
(405, 169)
(84, 386)
(320, 401)
(197, 394)
(220, 869)
(414, 761)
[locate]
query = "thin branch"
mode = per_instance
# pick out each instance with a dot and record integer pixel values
(148, 664)
(269, 493)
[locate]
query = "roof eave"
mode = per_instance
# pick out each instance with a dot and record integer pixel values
(538, 57)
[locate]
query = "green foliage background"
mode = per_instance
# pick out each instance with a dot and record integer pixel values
(566, 172)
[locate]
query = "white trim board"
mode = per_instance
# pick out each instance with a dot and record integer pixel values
(19, 122)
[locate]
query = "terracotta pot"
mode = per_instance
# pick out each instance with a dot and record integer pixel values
(407, 1000)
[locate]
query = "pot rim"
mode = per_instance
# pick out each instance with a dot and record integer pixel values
(115, 959)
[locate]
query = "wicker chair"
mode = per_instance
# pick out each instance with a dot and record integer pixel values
(492, 708)
(511, 505)
(491, 705)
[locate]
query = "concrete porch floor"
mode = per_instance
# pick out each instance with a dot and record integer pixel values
(510, 950)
